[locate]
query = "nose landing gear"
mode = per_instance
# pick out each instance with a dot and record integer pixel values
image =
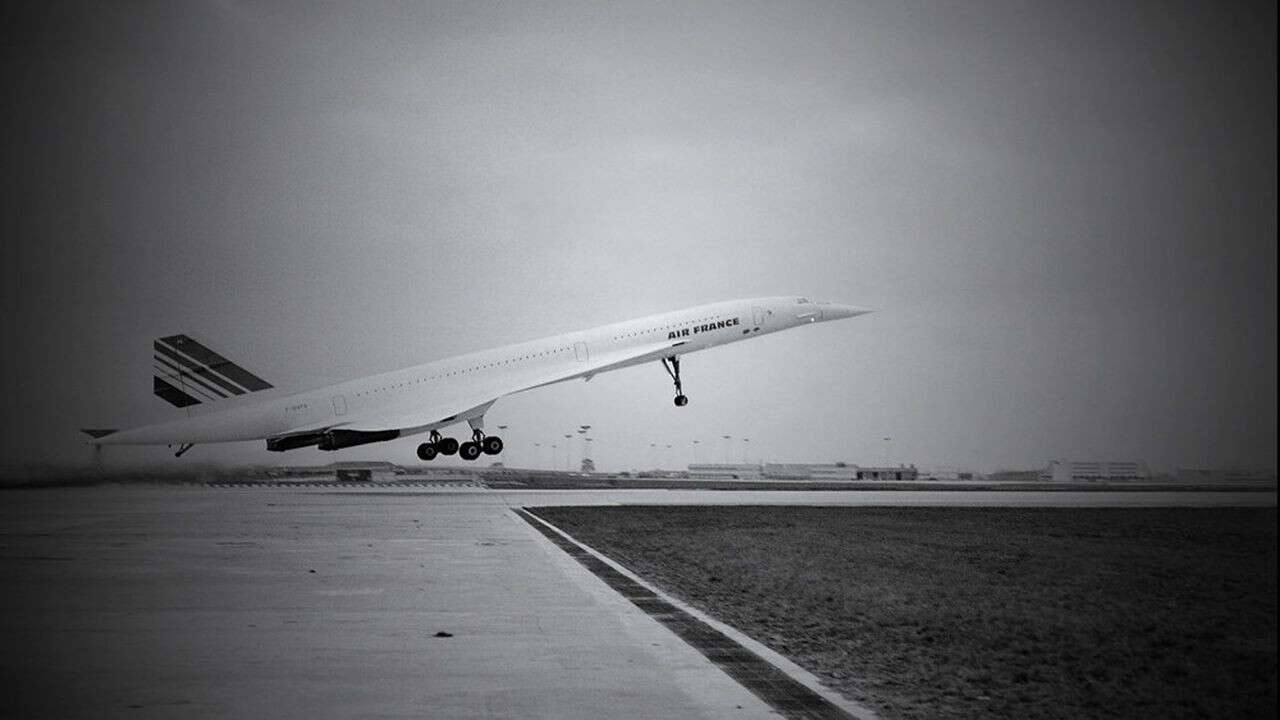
(672, 366)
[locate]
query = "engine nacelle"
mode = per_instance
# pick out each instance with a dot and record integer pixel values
(338, 439)
(330, 439)
(290, 442)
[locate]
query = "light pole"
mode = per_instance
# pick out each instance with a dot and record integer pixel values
(887, 447)
(582, 430)
(568, 450)
(537, 454)
(746, 447)
(728, 454)
(695, 450)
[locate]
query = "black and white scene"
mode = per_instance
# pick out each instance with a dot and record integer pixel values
(712, 360)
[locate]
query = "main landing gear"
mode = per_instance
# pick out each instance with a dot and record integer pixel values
(479, 443)
(437, 446)
(672, 365)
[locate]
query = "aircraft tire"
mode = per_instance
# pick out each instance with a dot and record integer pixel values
(447, 446)
(427, 451)
(681, 401)
(469, 451)
(491, 445)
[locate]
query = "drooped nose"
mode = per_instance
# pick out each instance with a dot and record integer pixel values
(836, 311)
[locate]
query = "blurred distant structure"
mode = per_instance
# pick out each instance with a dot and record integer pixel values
(726, 471)
(1077, 471)
(371, 471)
(1018, 476)
(948, 473)
(1094, 471)
(838, 471)
(1226, 475)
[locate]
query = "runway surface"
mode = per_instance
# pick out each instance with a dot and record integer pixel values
(251, 602)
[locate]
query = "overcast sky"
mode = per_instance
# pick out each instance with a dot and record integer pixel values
(1064, 213)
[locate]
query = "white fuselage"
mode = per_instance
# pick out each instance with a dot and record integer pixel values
(519, 366)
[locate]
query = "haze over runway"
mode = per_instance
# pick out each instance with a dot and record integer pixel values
(1064, 215)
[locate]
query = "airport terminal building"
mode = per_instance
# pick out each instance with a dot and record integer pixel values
(1077, 471)
(838, 471)
(1093, 471)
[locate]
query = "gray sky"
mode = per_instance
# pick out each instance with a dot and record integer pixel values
(1064, 212)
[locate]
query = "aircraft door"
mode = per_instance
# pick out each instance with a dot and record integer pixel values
(580, 351)
(757, 316)
(339, 405)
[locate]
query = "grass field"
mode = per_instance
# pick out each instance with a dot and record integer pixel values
(981, 612)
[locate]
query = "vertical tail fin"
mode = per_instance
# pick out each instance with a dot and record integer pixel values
(187, 373)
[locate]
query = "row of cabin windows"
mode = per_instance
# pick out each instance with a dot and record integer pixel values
(535, 355)
(467, 370)
(665, 327)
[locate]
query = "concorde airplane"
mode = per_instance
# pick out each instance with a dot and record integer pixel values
(428, 398)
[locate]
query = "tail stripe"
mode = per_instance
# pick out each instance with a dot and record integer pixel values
(187, 384)
(194, 367)
(217, 363)
(173, 395)
(169, 372)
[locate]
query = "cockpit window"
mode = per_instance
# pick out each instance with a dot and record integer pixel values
(802, 301)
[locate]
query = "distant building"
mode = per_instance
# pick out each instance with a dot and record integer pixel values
(838, 471)
(660, 473)
(888, 472)
(1225, 475)
(724, 471)
(373, 471)
(1093, 471)
(833, 471)
(786, 471)
(947, 474)
(1018, 476)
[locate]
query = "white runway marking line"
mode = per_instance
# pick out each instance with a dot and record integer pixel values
(779, 662)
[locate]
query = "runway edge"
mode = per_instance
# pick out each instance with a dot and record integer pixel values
(786, 687)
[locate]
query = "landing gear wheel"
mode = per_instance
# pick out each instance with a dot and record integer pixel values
(447, 446)
(427, 451)
(681, 401)
(469, 451)
(491, 445)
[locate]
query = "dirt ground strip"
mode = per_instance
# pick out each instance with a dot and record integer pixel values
(981, 612)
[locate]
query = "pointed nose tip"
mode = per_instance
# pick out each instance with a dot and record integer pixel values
(836, 311)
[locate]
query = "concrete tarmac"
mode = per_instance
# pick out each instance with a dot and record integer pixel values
(241, 602)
